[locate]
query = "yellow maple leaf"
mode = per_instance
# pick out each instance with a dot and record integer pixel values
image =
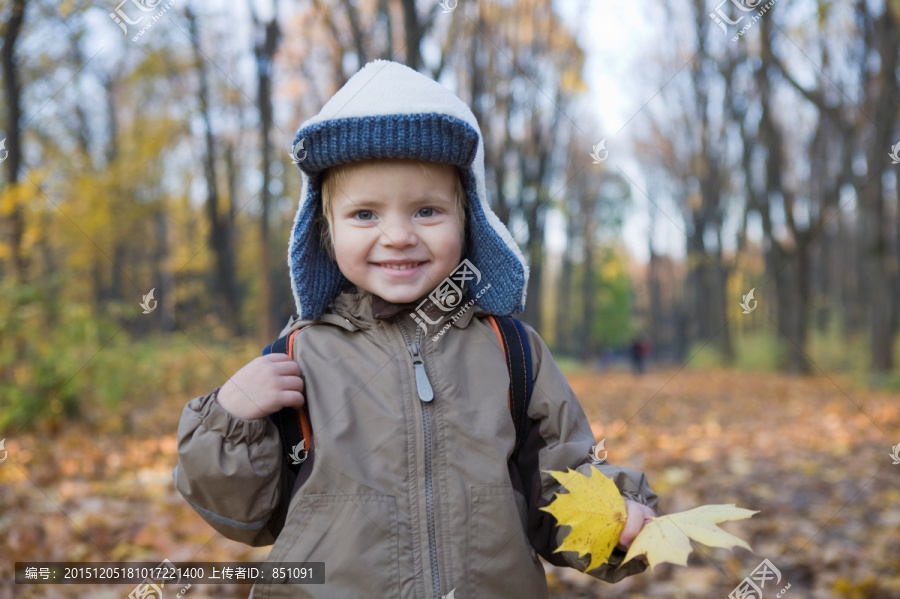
(668, 538)
(594, 510)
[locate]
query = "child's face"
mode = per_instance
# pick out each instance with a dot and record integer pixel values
(401, 214)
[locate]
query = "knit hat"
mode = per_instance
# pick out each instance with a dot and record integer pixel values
(388, 110)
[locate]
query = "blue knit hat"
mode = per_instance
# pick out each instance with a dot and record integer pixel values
(387, 110)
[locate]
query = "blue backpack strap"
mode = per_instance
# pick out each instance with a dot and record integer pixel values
(293, 424)
(517, 349)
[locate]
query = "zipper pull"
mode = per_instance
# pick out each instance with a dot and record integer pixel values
(423, 385)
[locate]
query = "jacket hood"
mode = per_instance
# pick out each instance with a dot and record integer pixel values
(387, 110)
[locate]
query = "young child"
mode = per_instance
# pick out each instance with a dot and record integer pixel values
(409, 490)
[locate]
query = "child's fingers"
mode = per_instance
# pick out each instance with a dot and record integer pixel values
(632, 527)
(292, 399)
(276, 357)
(288, 369)
(286, 366)
(290, 383)
(637, 514)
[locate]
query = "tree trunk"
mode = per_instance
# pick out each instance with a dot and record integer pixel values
(563, 341)
(218, 228)
(13, 138)
(881, 263)
(413, 34)
(585, 337)
(267, 42)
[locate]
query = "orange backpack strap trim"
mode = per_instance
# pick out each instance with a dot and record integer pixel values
(496, 327)
(293, 424)
(303, 414)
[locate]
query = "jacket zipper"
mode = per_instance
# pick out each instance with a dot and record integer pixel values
(426, 395)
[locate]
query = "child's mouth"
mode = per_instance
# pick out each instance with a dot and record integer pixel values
(403, 269)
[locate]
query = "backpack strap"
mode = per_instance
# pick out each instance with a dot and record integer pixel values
(514, 341)
(296, 432)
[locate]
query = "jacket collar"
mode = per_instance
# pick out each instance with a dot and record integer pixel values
(363, 309)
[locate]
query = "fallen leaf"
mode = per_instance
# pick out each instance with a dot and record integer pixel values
(595, 511)
(668, 538)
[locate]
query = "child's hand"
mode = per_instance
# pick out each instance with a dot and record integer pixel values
(636, 513)
(262, 387)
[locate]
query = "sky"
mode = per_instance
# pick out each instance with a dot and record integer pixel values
(615, 35)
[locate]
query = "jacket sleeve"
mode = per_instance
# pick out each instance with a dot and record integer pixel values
(230, 471)
(560, 438)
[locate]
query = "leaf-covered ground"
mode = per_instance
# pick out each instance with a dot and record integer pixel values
(810, 453)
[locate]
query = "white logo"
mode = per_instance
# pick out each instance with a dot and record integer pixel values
(296, 158)
(745, 304)
(448, 7)
(895, 456)
(147, 590)
(600, 147)
(895, 154)
(146, 303)
(764, 572)
(3, 147)
(450, 595)
(3, 459)
(595, 452)
(448, 294)
(121, 18)
(295, 453)
(150, 590)
(747, 6)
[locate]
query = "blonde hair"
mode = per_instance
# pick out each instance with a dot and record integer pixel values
(334, 178)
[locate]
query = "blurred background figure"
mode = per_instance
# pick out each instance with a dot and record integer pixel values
(640, 349)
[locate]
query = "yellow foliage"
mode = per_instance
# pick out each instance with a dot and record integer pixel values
(595, 511)
(668, 538)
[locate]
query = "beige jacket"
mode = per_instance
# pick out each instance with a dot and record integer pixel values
(400, 498)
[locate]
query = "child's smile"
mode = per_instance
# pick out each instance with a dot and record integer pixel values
(396, 231)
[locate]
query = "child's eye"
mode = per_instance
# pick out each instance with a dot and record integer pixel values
(364, 215)
(428, 212)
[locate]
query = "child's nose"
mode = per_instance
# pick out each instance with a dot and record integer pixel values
(397, 232)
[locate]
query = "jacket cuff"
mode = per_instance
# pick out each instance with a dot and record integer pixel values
(233, 429)
(635, 497)
(632, 484)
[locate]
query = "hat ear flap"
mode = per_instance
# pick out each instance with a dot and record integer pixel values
(315, 276)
